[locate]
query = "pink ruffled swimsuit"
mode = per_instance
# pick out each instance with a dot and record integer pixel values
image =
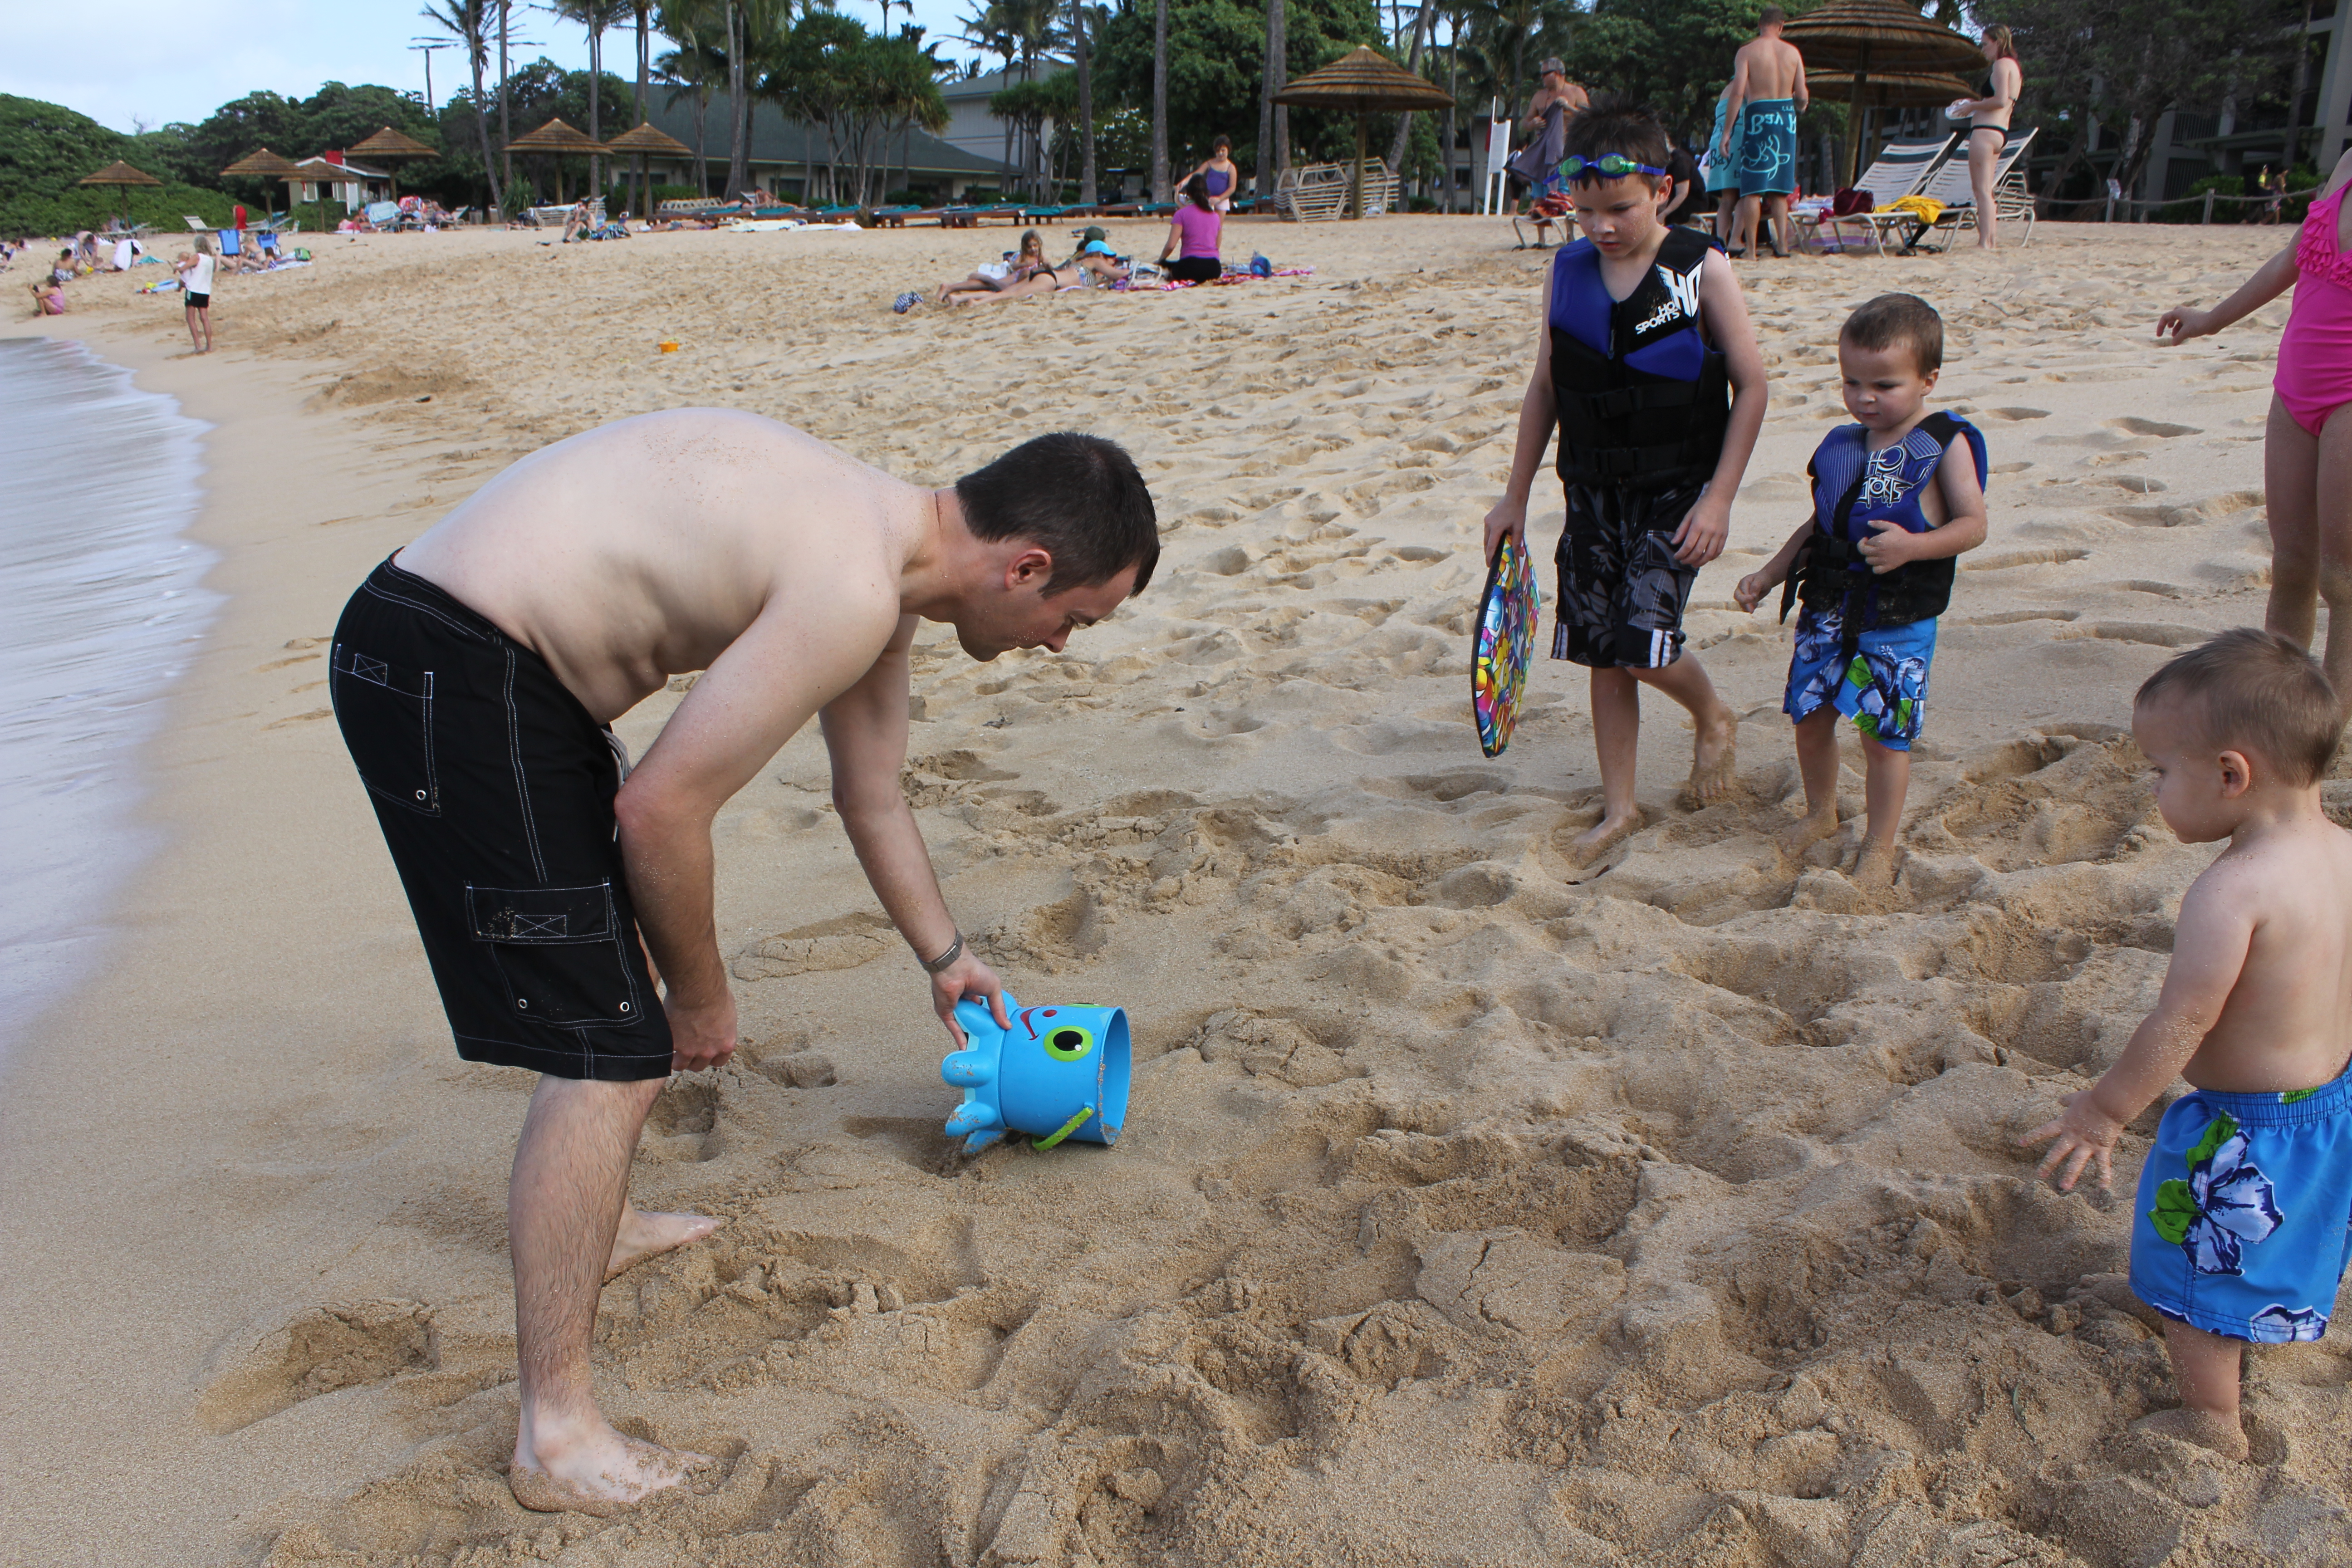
(2315, 356)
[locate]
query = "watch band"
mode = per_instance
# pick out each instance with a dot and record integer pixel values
(939, 964)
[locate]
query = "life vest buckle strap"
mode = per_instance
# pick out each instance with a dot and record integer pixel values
(1620, 403)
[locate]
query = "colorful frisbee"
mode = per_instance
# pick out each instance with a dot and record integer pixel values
(1503, 645)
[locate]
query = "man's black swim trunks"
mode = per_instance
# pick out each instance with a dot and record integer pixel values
(1622, 591)
(494, 788)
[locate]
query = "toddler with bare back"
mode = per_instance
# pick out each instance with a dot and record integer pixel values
(2239, 1233)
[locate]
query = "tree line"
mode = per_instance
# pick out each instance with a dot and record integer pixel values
(1145, 86)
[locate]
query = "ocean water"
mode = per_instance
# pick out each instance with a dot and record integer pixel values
(99, 611)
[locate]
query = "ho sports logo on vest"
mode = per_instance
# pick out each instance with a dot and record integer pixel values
(1682, 296)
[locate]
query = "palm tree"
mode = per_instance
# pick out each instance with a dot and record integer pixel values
(1086, 105)
(595, 15)
(506, 125)
(697, 27)
(1159, 192)
(1411, 63)
(469, 22)
(988, 28)
(1273, 124)
(645, 10)
(1453, 14)
(1031, 23)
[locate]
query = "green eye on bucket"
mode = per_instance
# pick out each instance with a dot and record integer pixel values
(1069, 1043)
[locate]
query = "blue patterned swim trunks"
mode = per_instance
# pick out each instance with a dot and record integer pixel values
(2243, 1222)
(1883, 688)
(1768, 147)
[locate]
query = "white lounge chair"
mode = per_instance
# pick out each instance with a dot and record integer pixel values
(1898, 171)
(1951, 186)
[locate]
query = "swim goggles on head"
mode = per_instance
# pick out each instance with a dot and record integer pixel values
(1608, 166)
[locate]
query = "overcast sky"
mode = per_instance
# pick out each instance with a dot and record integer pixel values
(186, 59)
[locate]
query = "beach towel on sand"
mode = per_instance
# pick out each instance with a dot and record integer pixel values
(1768, 147)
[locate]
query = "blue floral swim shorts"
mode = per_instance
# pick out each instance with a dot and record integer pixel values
(1883, 688)
(2243, 1222)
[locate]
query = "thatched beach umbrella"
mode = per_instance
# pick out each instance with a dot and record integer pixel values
(388, 147)
(558, 138)
(269, 167)
(1866, 39)
(1884, 90)
(126, 177)
(1362, 82)
(645, 139)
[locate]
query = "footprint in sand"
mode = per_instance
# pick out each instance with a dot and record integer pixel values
(2156, 427)
(2002, 560)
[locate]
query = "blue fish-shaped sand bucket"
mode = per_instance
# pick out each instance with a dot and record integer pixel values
(1058, 1073)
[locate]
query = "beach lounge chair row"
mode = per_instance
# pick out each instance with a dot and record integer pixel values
(1937, 170)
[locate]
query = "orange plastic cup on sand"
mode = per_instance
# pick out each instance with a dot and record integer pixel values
(669, 345)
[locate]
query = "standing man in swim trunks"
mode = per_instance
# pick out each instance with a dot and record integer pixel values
(474, 674)
(1767, 93)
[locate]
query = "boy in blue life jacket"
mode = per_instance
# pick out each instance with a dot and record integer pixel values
(1648, 366)
(1872, 567)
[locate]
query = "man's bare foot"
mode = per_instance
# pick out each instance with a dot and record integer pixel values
(1713, 756)
(642, 1235)
(1875, 868)
(1603, 837)
(1808, 830)
(600, 1477)
(2222, 1434)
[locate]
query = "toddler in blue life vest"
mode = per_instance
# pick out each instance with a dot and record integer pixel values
(1872, 567)
(1648, 367)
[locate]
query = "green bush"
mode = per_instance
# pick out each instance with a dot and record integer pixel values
(320, 217)
(2191, 208)
(45, 149)
(160, 210)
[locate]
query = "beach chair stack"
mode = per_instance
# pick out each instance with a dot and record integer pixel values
(1317, 192)
(1901, 167)
(1937, 170)
(1951, 186)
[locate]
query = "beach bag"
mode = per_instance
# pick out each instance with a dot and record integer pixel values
(1849, 200)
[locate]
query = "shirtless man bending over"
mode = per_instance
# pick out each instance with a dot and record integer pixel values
(1767, 93)
(475, 674)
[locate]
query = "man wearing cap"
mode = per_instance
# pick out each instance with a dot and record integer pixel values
(1538, 161)
(1096, 262)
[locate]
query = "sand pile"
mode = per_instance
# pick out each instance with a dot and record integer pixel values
(1474, 1208)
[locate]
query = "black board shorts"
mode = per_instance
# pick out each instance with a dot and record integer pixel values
(494, 788)
(199, 301)
(1622, 591)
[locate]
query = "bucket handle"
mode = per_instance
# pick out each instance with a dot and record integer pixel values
(1072, 1125)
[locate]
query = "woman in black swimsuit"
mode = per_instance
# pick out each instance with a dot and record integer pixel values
(1988, 117)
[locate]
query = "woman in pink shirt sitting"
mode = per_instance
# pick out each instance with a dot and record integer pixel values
(1192, 235)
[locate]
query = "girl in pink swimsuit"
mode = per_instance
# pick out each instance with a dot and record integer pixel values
(2311, 523)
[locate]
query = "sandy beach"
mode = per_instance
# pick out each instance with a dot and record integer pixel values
(1474, 1208)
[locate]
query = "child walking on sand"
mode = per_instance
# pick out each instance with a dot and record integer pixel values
(2309, 431)
(2238, 1233)
(196, 278)
(1872, 567)
(1645, 334)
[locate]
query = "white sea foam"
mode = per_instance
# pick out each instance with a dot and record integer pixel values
(99, 610)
